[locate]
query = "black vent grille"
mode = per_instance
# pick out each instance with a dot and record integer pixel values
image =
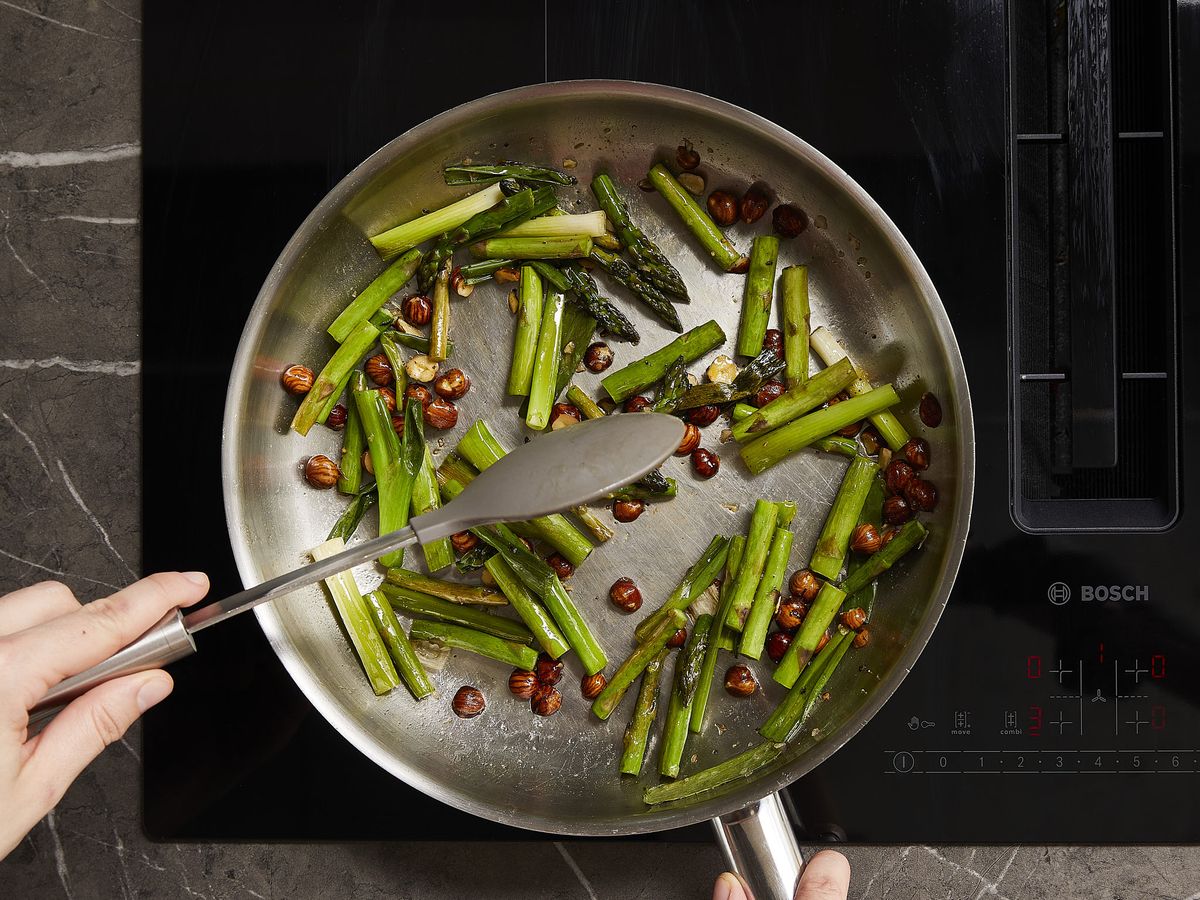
(1092, 290)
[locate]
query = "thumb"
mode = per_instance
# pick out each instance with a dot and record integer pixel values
(729, 887)
(87, 725)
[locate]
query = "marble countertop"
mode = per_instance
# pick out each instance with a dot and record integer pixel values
(69, 491)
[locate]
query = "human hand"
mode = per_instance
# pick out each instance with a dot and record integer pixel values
(46, 635)
(826, 877)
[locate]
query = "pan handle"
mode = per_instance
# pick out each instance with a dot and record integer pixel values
(760, 848)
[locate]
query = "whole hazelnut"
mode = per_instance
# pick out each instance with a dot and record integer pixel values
(771, 390)
(777, 645)
(705, 462)
(739, 681)
(441, 414)
(417, 308)
(896, 510)
(788, 221)
(678, 639)
(468, 702)
(627, 510)
(754, 204)
(686, 156)
(563, 415)
(921, 495)
(865, 538)
(804, 585)
(561, 565)
(702, 416)
(463, 541)
(598, 357)
(791, 613)
(548, 671)
(930, 410)
(379, 369)
(591, 685)
(691, 440)
(773, 341)
(897, 475)
(452, 385)
(522, 684)
(916, 451)
(625, 595)
(321, 471)
(723, 207)
(546, 702)
(337, 418)
(419, 393)
(855, 618)
(297, 380)
(636, 403)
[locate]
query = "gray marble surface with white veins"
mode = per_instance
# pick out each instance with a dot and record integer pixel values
(69, 496)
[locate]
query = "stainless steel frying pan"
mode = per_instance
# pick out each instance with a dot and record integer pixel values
(559, 774)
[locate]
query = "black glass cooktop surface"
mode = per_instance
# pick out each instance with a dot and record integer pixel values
(1058, 700)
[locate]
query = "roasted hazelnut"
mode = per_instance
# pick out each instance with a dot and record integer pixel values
(791, 613)
(886, 537)
(772, 390)
(419, 393)
(626, 510)
(789, 221)
(862, 638)
(870, 440)
(773, 341)
(546, 702)
(507, 275)
(321, 471)
(741, 266)
(598, 357)
(389, 398)
(422, 368)
(705, 462)
(366, 462)
(452, 385)
(591, 685)
(702, 416)
(527, 543)
(379, 370)
(777, 645)
(739, 681)
(754, 204)
(636, 403)
(297, 380)
(723, 207)
(417, 309)
(463, 541)
(548, 671)
(821, 643)
(916, 451)
(468, 702)
(930, 410)
(896, 510)
(563, 415)
(722, 370)
(921, 495)
(855, 618)
(804, 585)
(691, 182)
(337, 418)
(678, 639)
(398, 424)
(686, 156)
(522, 684)
(691, 440)
(897, 475)
(459, 283)
(561, 565)
(441, 414)
(625, 595)
(865, 538)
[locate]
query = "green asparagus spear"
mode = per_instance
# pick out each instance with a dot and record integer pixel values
(835, 443)
(885, 421)
(795, 402)
(574, 247)
(475, 595)
(696, 580)
(586, 294)
(716, 634)
(489, 174)
(637, 734)
(675, 383)
(509, 652)
(545, 363)
(793, 284)
(763, 452)
(374, 295)
(395, 357)
(551, 274)
(419, 605)
(535, 617)
(758, 542)
(691, 345)
(635, 664)
(679, 709)
(578, 398)
(347, 522)
(754, 374)
(329, 383)
(766, 597)
(844, 642)
(743, 765)
(638, 491)
(783, 720)
(910, 536)
(654, 299)
(425, 498)
(648, 259)
(439, 328)
(529, 323)
(404, 237)
(711, 238)
(760, 287)
(395, 461)
(834, 541)
(804, 644)
(350, 462)
(407, 664)
(356, 618)
(742, 411)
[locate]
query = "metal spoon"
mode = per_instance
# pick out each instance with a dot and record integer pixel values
(555, 472)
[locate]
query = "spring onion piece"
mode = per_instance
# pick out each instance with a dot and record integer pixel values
(419, 342)
(395, 358)
(679, 710)
(760, 292)
(358, 621)
(425, 498)
(763, 452)
(529, 324)
(404, 237)
(790, 711)
(641, 374)
(570, 247)
(350, 462)
(637, 734)
(700, 574)
(407, 664)
(885, 421)
(844, 639)
(766, 597)
(474, 595)
(758, 543)
(793, 285)
(804, 644)
(545, 364)
(347, 522)
(834, 541)
(577, 330)
(537, 621)
(419, 605)
(374, 295)
(697, 220)
(587, 224)
(795, 402)
(628, 672)
(329, 383)
(744, 765)
(460, 638)
(485, 174)
(394, 461)
(638, 491)
(910, 536)
(648, 259)
(484, 270)
(717, 632)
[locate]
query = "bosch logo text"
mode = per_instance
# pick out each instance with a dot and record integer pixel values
(1114, 593)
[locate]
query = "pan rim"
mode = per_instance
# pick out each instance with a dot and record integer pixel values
(653, 818)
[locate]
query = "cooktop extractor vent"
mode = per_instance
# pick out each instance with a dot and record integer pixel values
(1092, 265)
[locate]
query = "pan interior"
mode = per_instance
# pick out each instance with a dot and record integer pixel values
(559, 773)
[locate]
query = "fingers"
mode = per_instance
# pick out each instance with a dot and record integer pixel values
(34, 605)
(44, 655)
(730, 887)
(86, 726)
(826, 877)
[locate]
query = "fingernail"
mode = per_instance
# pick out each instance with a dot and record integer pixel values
(153, 691)
(196, 578)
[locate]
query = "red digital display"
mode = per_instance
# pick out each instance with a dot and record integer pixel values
(1035, 722)
(1033, 667)
(1158, 666)
(1158, 717)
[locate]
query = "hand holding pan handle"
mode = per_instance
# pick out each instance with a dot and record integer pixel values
(760, 847)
